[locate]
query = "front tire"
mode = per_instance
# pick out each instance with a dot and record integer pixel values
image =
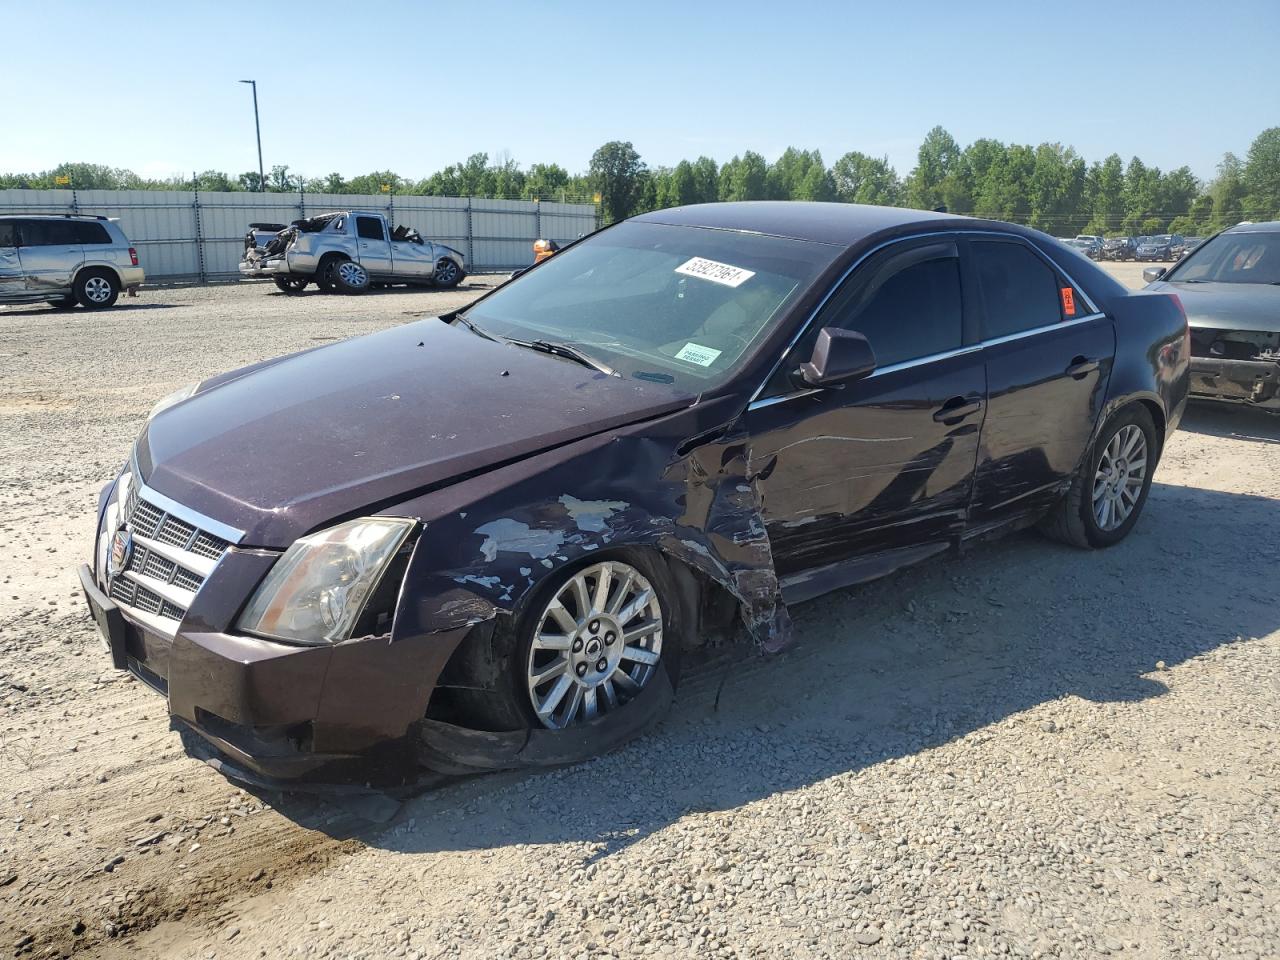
(589, 639)
(448, 274)
(96, 289)
(1111, 486)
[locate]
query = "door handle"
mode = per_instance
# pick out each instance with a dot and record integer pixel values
(956, 409)
(1081, 367)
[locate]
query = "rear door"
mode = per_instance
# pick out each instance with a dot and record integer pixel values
(11, 279)
(373, 244)
(858, 479)
(1048, 356)
(51, 254)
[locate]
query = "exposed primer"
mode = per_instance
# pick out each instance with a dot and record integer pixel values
(591, 516)
(489, 582)
(507, 535)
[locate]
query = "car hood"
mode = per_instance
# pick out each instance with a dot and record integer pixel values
(1227, 306)
(287, 447)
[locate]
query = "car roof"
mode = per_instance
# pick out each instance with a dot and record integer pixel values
(1263, 226)
(835, 223)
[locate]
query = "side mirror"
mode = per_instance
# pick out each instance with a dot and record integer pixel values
(1152, 274)
(838, 356)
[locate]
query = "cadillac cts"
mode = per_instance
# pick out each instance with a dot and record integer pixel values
(484, 539)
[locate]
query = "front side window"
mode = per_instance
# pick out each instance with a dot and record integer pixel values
(1232, 258)
(1019, 290)
(369, 228)
(659, 302)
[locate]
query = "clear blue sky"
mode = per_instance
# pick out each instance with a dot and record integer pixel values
(358, 86)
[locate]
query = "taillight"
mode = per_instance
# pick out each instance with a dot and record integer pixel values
(133, 256)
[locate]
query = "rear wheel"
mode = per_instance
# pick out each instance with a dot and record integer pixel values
(291, 284)
(96, 288)
(588, 642)
(350, 277)
(1111, 487)
(448, 273)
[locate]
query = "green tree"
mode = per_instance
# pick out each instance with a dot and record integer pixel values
(215, 181)
(1141, 201)
(937, 173)
(706, 180)
(1227, 192)
(614, 173)
(799, 175)
(372, 182)
(858, 178)
(1262, 176)
(1108, 196)
(545, 181)
(744, 178)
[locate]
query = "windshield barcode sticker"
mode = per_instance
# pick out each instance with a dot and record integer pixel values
(696, 353)
(724, 273)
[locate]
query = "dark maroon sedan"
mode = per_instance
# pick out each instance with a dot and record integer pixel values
(483, 540)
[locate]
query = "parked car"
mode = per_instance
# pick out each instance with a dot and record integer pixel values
(349, 251)
(1119, 248)
(66, 259)
(482, 540)
(1230, 286)
(1186, 246)
(1084, 246)
(1095, 245)
(1158, 248)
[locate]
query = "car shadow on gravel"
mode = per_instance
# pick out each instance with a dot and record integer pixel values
(1234, 421)
(78, 313)
(951, 649)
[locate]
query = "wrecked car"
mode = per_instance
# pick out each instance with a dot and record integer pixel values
(350, 252)
(1230, 287)
(485, 539)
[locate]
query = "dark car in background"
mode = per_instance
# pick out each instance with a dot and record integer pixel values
(1230, 287)
(1119, 248)
(483, 540)
(1186, 246)
(1158, 248)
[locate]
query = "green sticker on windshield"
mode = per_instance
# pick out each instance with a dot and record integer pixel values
(696, 353)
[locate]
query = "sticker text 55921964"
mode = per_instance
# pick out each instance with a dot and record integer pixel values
(725, 273)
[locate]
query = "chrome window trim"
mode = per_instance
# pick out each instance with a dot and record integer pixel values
(755, 403)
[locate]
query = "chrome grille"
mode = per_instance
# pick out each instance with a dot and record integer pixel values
(171, 558)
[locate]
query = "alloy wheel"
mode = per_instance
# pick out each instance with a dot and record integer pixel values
(97, 290)
(352, 274)
(595, 645)
(446, 271)
(1117, 484)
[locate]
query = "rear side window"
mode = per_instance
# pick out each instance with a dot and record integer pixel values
(48, 233)
(915, 313)
(8, 233)
(369, 228)
(87, 231)
(1019, 290)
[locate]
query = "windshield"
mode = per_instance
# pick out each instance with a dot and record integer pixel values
(1232, 258)
(672, 304)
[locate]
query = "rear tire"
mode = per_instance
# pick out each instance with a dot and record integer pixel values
(511, 702)
(350, 277)
(291, 284)
(1110, 488)
(96, 289)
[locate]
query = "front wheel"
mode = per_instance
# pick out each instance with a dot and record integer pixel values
(1110, 489)
(591, 638)
(448, 274)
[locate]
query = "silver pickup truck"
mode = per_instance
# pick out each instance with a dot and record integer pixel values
(350, 251)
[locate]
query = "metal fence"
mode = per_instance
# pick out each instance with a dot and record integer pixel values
(184, 235)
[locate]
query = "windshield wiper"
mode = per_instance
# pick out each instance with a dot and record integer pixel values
(470, 325)
(567, 351)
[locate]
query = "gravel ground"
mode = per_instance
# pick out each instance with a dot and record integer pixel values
(1032, 751)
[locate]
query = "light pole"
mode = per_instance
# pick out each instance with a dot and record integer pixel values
(262, 177)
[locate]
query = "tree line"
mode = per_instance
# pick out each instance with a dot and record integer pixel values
(1049, 186)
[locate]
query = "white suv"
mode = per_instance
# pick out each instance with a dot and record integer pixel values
(65, 260)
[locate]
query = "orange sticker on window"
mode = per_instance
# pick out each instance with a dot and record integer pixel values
(1068, 302)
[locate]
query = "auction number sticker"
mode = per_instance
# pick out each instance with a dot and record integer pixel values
(724, 273)
(696, 353)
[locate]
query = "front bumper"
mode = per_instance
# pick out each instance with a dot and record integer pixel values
(339, 713)
(1255, 382)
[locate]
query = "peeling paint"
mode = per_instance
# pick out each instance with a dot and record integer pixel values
(515, 536)
(591, 515)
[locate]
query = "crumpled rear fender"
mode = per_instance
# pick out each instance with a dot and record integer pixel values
(488, 541)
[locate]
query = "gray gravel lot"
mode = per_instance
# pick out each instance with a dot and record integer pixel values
(1031, 751)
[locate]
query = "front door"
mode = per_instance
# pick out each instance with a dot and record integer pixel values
(862, 478)
(373, 244)
(12, 283)
(51, 254)
(1048, 358)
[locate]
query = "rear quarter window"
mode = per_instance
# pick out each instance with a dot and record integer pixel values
(89, 232)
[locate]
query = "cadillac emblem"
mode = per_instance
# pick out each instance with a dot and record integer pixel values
(121, 549)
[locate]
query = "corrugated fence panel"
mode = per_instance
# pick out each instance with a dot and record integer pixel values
(182, 235)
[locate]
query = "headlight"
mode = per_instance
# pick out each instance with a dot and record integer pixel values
(176, 397)
(317, 590)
